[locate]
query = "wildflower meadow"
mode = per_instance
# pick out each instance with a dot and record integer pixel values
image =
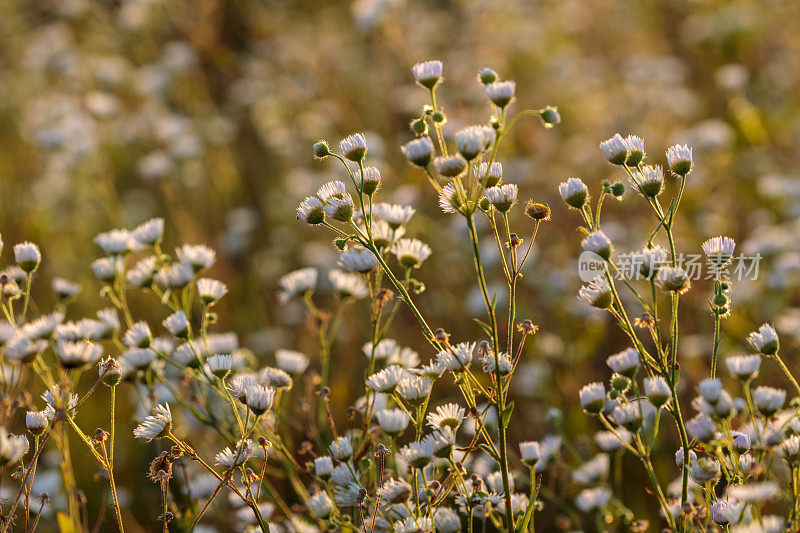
(323, 266)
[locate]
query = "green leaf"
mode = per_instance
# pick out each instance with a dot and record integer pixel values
(341, 242)
(506, 418)
(485, 447)
(484, 326)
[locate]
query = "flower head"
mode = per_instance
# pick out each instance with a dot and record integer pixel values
(155, 425)
(765, 340)
(428, 74)
(419, 151)
(615, 150)
(679, 158)
(354, 147)
(411, 252)
(297, 283)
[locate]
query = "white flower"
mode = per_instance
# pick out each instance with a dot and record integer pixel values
(500, 92)
(345, 495)
(768, 400)
(387, 379)
(369, 180)
(219, 364)
(36, 421)
(502, 197)
(42, 327)
(175, 276)
(490, 365)
(704, 470)
(650, 260)
(530, 452)
(719, 250)
(197, 256)
(419, 151)
(701, 428)
(591, 499)
(635, 150)
(156, 425)
(592, 471)
(790, 449)
(744, 367)
(411, 252)
(596, 294)
(457, 358)
(143, 272)
(446, 520)
(231, 458)
(138, 358)
(323, 466)
(12, 447)
(275, 377)
(23, 350)
(765, 340)
(259, 398)
(726, 512)
(428, 74)
(414, 525)
(406, 358)
(449, 199)
(311, 211)
(628, 415)
(393, 214)
(105, 268)
(385, 349)
(65, 289)
(489, 175)
(473, 140)
(679, 158)
(392, 421)
(210, 290)
(417, 453)
(673, 279)
(449, 415)
(383, 234)
(116, 241)
(149, 232)
(625, 362)
(27, 256)
(593, 397)
(450, 166)
(615, 150)
(649, 181)
(354, 147)
(348, 285)
(77, 354)
(597, 243)
(296, 283)
(758, 492)
(574, 192)
(394, 491)
(291, 362)
(138, 336)
(320, 504)
(341, 449)
(357, 259)
(657, 390)
(177, 324)
(609, 442)
(340, 209)
(414, 389)
(331, 189)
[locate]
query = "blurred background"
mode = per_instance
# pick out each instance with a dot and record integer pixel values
(204, 112)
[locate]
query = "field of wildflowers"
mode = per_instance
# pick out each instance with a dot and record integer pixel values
(314, 266)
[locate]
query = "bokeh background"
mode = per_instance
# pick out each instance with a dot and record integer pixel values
(203, 112)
